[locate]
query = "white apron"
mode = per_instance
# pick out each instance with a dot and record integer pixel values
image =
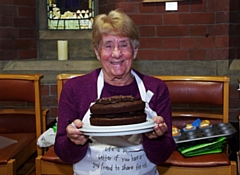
(120, 155)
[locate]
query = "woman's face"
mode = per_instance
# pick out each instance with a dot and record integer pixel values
(116, 55)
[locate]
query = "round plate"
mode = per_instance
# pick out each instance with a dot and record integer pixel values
(120, 128)
(118, 133)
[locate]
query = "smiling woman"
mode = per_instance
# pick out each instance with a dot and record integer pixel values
(116, 41)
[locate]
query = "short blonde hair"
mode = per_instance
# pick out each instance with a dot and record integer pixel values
(115, 23)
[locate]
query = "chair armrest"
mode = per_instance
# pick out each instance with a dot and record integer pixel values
(44, 119)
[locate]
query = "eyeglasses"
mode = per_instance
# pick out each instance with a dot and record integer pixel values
(122, 46)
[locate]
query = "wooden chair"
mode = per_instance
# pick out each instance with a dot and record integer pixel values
(49, 163)
(20, 119)
(191, 98)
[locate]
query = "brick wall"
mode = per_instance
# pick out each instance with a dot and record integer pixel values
(18, 36)
(199, 30)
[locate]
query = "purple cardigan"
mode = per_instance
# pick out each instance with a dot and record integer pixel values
(76, 97)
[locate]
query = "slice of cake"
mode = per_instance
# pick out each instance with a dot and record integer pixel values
(117, 110)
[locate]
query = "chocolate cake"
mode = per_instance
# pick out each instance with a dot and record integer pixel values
(117, 110)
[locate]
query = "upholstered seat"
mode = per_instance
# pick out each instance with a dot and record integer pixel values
(50, 163)
(51, 156)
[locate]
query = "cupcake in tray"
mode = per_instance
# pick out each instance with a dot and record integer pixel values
(205, 124)
(176, 132)
(189, 127)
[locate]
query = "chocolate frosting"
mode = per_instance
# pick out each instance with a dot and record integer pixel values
(116, 99)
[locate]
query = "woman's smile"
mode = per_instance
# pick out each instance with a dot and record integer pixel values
(116, 62)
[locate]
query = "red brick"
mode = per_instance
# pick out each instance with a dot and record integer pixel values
(128, 7)
(172, 54)
(7, 10)
(197, 30)
(197, 42)
(219, 29)
(27, 33)
(8, 33)
(24, 3)
(28, 54)
(103, 2)
(233, 102)
(53, 112)
(153, 43)
(222, 17)
(7, 44)
(53, 89)
(198, 6)
(147, 31)
(45, 90)
(160, 7)
(25, 22)
(24, 43)
(6, 21)
(197, 18)
(145, 54)
(171, 18)
(146, 8)
(197, 54)
(6, 2)
(222, 41)
(217, 54)
(183, 6)
(171, 43)
(147, 19)
(49, 101)
(9, 54)
(26, 12)
(216, 5)
(234, 93)
(172, 31)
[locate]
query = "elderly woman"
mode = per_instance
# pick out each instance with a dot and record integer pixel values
(116, 41)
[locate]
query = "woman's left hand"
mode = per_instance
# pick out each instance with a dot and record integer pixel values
(159, 129)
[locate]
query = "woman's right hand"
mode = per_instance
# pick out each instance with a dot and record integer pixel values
(74, 134)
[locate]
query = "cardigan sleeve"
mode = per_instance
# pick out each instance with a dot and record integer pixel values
(158, 150)
(63, 147)
(76, 96)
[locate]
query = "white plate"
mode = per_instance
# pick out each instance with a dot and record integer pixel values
(120, 128)
(118, 133)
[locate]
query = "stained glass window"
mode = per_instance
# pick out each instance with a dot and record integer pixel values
(70, 14)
